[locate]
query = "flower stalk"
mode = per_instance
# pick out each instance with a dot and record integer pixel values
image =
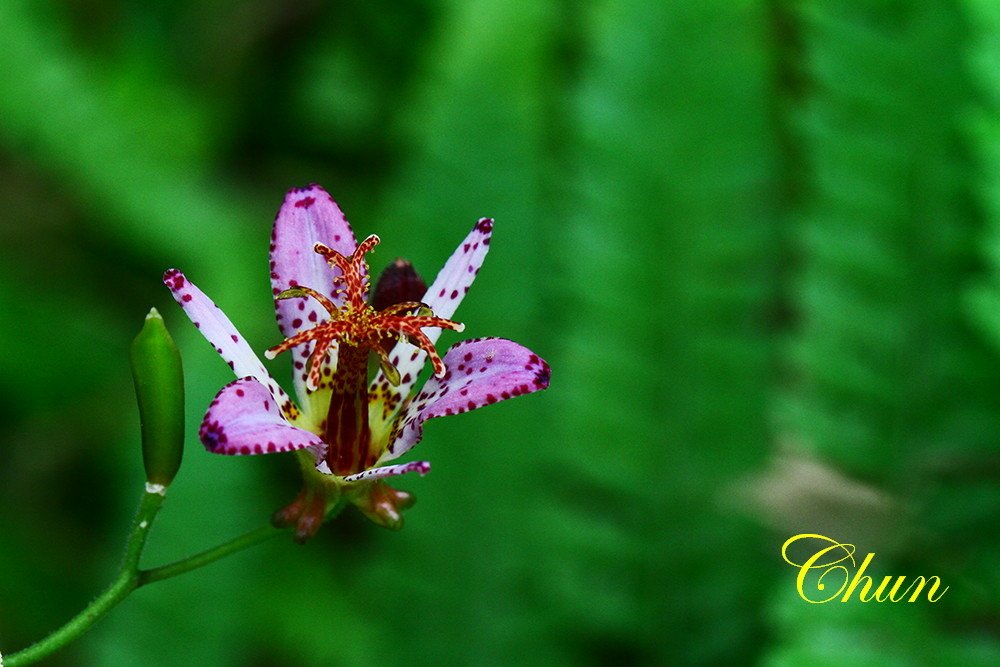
(159, 388)
(131, 577)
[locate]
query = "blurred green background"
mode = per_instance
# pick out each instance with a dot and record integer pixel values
(758, 242)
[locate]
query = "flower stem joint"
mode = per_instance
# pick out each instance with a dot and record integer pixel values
(159, 388)
(346, 428)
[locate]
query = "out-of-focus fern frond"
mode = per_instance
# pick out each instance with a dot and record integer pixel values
(674, 127)
(985, 131)
(891, 383)
(887, 241)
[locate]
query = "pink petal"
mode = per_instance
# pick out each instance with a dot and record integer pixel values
(308, 216)
(422, 467)
(220, 332)
(245, 419)
(443, 296)
(480, 371)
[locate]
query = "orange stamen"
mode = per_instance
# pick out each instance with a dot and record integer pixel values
(362, 329)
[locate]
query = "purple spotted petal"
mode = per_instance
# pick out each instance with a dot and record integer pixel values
(308, 216)
(422, 467)
(480, 371)
(453, 281)
(443, 296)
(220, 332)
(244, 419)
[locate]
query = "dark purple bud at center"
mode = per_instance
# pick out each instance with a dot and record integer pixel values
(398, 283)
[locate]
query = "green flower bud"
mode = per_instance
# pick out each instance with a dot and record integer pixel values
(159, 390)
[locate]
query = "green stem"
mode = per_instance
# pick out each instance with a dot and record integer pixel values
(131, 577)
(126, 582)
(208, 556)
(215, 553)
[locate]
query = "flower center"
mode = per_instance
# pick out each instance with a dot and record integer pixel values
(357, 329)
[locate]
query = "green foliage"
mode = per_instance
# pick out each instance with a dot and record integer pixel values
(669, 260)
(890, 382)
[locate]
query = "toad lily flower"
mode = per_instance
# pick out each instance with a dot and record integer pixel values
(345, 429)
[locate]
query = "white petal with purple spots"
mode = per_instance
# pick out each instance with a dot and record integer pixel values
(481, 371)
(453, 281)
(244, 419)
(422, 467)
(220, 332)
(443, 296)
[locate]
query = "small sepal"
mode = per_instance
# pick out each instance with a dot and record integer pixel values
(319, 494)
(306, 513)
(383, 504)
(159, 390)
